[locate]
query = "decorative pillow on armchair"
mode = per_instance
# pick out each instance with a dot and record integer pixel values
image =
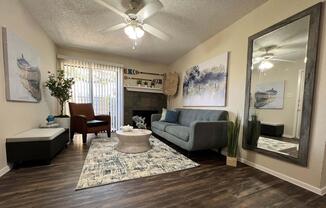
(171, 116)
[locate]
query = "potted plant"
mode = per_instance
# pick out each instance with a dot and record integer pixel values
(233, 136)
(60, 88)
(145, 83)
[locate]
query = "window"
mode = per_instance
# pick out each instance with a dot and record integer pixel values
(100, 84)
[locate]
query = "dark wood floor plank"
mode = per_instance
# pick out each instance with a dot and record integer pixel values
(211, 185)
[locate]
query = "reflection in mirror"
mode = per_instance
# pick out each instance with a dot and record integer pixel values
(277, 88)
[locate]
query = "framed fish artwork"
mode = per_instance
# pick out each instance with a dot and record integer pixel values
(269, 95)
(22, 73)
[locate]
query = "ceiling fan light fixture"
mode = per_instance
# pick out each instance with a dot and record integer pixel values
(139, 32)
(265, 65)
(134, 32)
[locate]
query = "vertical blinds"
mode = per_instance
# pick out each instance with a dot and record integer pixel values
(99, 84)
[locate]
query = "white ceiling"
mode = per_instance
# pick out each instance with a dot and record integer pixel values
(290, 42)
(75, 23)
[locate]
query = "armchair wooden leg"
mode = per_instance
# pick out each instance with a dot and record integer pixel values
(72, 135)
(108, 133)
(84, 138)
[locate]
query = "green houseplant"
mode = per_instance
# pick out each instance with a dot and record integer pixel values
(60, 88)
(233, 136)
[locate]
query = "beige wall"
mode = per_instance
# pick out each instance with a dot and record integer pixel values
(125, 61)
(287, 72)
(16, 117)
(235, 39)
(115, 59)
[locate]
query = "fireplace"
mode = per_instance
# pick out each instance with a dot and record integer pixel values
(145, 114)
(143, 104)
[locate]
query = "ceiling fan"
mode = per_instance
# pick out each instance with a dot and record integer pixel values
(134, 26)
(266, 60)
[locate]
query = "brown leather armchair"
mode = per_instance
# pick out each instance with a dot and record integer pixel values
(84, 121)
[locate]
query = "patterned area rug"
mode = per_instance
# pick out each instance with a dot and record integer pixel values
(275, 145)
(104, 165)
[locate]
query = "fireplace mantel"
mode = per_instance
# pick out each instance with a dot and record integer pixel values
(144, 89)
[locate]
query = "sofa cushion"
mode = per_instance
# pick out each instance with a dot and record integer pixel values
(171, 116)
(187, 116)
(181, 132)
(161, 125)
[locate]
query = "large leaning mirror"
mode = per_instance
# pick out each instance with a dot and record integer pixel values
(280, 84)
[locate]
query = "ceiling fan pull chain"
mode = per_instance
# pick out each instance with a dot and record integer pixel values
(134, 44)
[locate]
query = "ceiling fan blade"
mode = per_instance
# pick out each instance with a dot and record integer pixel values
(113, 28)
(256, 60)
(106, 5)
(149, 9)
(152, 30)
(282, 60)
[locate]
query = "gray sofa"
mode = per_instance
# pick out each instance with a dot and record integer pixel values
(195, 130)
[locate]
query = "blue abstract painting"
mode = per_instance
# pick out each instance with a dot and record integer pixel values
(205, 84)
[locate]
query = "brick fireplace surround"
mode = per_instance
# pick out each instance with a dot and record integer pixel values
(142, 102)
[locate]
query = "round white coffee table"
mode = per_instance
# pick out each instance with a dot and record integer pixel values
(134, 141)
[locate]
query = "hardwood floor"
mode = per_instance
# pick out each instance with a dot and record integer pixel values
(211, 185)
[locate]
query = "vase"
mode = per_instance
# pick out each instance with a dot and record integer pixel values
(231, 161)
(64, 122)
(254, 130)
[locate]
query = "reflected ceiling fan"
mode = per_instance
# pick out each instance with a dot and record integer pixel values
(138, 12)
(266, 60)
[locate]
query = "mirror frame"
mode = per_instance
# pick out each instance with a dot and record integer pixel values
(312, 52)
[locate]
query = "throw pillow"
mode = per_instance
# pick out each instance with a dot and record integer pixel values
(171, 116)
(163, 114)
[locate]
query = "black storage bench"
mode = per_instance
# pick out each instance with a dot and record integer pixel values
(40, 145)
(272, 129)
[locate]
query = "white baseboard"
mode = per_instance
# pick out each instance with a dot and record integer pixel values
(288, 136)
(5, 170)
(323, 191)
(316, 190)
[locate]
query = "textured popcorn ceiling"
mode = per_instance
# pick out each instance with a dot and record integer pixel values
(75, 23)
